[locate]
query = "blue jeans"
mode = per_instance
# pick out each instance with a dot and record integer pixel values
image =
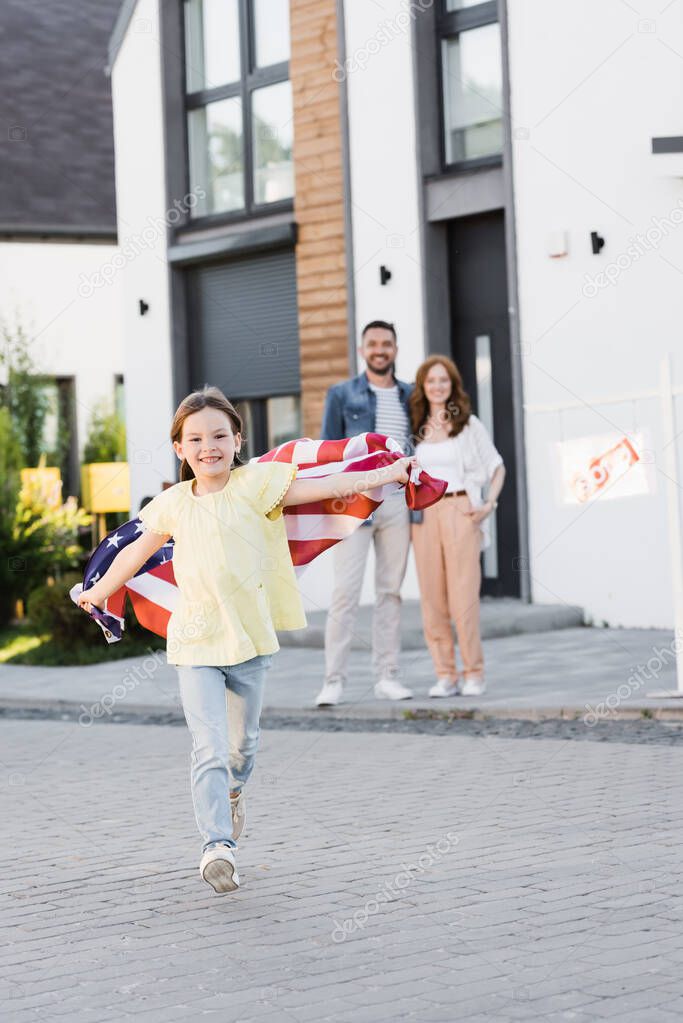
(224, 740)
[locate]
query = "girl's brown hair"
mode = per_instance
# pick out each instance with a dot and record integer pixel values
(458, 406)
(208, 397)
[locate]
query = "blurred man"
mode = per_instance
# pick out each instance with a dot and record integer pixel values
(375, 402)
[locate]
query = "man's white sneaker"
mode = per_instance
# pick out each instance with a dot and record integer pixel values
(444, 687)
(392, 689)
(217, 867)
(238, 809)
(330, 694)
(472, 687)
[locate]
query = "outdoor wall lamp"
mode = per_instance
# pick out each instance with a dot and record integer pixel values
(384, 275)
(143, 306)
(596, 243)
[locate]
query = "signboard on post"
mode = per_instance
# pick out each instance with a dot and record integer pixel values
(605, 466)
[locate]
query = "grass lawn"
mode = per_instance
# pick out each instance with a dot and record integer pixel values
(23, 644)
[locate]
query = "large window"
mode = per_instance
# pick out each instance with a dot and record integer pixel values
(239, 105)
(58, 433)
(472, 86)
(269, 422)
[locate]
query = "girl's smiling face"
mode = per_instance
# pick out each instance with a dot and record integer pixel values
(208, 443)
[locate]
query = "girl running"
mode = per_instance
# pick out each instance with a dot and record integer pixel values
(237, 586)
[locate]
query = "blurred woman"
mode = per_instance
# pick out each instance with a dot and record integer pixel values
(452, 444)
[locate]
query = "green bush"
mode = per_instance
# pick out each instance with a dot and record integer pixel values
(10, 462)
(106, 436)
(24, 394)
(38, 533)
(45, 538)
(50, 609)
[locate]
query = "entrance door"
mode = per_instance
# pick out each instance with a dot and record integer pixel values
(481, 350)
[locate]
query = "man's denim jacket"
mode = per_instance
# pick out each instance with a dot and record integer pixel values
(350, 409)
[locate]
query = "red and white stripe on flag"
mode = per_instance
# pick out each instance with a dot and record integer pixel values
(313, 528)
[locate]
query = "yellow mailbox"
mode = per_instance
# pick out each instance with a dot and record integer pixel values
(105, 487)
(44, 480)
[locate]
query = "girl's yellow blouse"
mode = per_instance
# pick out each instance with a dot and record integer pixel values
(232, 564)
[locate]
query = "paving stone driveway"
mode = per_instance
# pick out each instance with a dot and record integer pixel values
(385, 877)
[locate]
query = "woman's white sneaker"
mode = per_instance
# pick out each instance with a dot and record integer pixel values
(217, 867)
(444, 687)
(472, 687)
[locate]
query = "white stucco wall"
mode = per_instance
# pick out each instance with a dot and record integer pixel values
(384, 174)
(385, 211)
(76, 330)
(590, 85)
(140, 197)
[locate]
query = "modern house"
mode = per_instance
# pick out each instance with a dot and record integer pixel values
(58, 282)
(479, 173)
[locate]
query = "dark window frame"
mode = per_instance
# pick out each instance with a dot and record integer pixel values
(119, 395)
(257, 440)
(67, 453)
(449, 25)
(251, 78)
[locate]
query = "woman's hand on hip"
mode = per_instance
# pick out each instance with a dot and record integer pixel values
(479, 514)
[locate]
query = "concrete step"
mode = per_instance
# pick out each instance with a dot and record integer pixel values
(500, 616)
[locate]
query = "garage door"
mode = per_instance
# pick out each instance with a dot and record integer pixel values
(244, 330)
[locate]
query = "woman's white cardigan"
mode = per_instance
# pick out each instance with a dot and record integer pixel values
(476, 459)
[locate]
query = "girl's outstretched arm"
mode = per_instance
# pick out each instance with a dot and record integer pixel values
(347, 484)
(123, 567)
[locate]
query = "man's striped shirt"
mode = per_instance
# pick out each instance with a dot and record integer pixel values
(390, 418)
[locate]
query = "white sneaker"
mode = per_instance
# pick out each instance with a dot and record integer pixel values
(217, 867)
(392, 689)
(238, 809)
(472, 687)
(330, 694)
(444, 687)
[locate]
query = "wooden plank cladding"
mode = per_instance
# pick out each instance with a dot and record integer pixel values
(318, 205)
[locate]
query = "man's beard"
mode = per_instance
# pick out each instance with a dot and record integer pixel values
(382, 371)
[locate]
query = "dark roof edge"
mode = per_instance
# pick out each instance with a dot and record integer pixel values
(104, 235)
(250, 240)
(667, 144)
(118, 34)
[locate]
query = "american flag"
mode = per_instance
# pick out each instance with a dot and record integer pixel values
(311, 528)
